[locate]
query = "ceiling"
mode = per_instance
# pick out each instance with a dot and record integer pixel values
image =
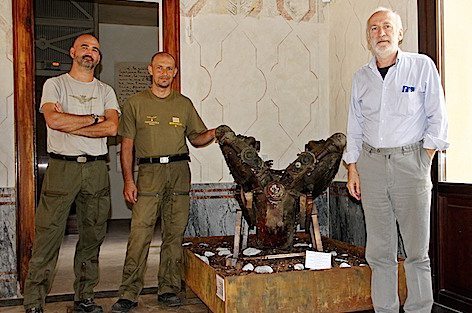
(127, 12)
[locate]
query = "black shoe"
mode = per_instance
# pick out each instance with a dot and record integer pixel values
(123, 306)
(87, 306)
(34, 310)
(169, 299)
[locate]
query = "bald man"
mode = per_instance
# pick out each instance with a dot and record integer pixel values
(156, 124)
(80, 112)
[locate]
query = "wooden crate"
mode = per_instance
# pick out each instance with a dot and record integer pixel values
(333, 290)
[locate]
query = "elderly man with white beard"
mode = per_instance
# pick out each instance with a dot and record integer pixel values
(397, 120)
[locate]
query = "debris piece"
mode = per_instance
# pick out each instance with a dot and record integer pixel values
(208, 254)
(251, 251)
(299, 266)
(263, 269)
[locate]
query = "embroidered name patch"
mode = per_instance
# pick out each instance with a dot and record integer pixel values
(175, 122)
(151, 120)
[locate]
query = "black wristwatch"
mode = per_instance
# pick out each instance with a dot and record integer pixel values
(96, 118)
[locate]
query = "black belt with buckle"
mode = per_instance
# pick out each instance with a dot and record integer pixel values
(79, 158)
(164, 159)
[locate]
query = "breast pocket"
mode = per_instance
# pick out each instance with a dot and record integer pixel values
(408, 103)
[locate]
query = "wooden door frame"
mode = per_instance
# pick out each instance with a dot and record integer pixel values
(24, 76)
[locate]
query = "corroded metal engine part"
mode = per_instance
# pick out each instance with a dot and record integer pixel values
(275, 209)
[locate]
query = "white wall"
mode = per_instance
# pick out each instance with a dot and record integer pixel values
(123, 43)
(276, 70)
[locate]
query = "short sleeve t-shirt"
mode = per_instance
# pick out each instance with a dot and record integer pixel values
(81, 98)
(160, 126)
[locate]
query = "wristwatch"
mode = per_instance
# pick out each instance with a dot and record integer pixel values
(96, 118)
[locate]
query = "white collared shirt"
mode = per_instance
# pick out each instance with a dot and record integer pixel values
(405, 107)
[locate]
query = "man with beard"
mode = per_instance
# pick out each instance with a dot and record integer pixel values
(80, 112)
(397, 120)
(156, 122)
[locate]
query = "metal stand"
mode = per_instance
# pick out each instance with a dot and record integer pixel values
(315, 233)
(241, 228)
(308, 210)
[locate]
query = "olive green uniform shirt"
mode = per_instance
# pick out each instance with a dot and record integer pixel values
(159, 126)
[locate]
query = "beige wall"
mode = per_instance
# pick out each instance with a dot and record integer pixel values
(7, 143)
(276, 70)
(458, 82)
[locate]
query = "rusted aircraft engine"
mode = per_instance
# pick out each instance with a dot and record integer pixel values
(275, 208)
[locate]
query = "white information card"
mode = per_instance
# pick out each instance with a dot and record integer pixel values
(220, 287)
(317, 260)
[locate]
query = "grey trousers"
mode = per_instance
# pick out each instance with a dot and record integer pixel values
(396, 187)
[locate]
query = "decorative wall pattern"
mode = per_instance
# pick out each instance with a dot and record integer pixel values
(276, 70)
(259, 67)
(7, 143)
(279, 71)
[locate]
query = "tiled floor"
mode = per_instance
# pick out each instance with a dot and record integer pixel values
(147, 303)
(112, 256)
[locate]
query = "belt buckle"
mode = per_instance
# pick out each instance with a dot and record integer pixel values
(81, 159)
(164, 160)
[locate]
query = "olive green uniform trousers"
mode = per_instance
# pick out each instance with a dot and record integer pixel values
(163, 191)
(65, 182)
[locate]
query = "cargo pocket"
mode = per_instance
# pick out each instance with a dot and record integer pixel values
(180, 210)
(103, 205)
(54, 209)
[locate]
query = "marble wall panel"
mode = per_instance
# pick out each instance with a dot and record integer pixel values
(7, 143)
(212, 210)
(347, 221)
(8, 271)
(346, 218)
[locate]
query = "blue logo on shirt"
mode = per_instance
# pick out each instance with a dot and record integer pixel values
(408, 89)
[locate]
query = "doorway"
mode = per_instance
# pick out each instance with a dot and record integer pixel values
(124, 67)
(24, 72)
